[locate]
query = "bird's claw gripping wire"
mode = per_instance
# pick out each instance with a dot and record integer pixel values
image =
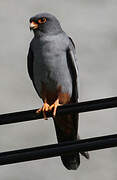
(55, 105)
(44, 109)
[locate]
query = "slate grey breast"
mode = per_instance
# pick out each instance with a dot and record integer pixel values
(52, 67)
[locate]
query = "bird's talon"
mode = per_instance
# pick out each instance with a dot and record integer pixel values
(39, 110)
(55, 105)
(44, 109)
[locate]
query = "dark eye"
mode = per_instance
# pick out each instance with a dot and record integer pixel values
(42, 20)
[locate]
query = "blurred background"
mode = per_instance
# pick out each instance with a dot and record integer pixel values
(92, 24)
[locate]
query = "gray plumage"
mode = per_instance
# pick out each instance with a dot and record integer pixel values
(52, 67)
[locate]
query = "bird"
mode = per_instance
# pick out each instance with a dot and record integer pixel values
(53, 68)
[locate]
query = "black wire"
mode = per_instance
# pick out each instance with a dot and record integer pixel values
(59, 149)
(54, 150)
(69, 108)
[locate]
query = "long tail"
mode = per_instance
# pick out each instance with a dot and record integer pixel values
(67, 129)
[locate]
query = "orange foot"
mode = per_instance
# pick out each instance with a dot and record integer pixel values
(55, 105)
(44, 109)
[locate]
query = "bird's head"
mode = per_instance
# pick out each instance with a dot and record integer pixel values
(45, 23)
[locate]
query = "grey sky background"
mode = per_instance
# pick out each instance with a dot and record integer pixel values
(92, 24)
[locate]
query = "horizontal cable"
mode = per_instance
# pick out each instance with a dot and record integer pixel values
(69, 108)
(54, 150)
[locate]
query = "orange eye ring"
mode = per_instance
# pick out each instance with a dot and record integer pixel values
(42, 20)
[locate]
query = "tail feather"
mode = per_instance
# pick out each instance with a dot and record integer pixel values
(66, 130)
(71, 161)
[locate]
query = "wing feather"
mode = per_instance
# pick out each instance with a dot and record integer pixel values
(30, 63)
(73, 68)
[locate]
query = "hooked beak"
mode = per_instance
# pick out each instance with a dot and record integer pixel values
(33, 25)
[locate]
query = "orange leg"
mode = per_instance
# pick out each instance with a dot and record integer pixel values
(55, 105)
(44, 109)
